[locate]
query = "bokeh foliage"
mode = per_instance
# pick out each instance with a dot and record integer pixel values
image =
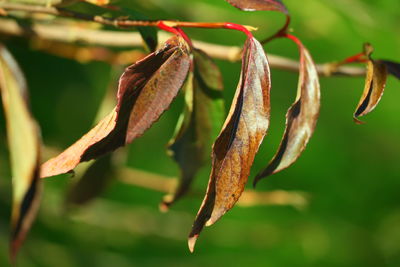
(351, 171)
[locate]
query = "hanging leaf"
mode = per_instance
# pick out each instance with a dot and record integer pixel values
(259, 5)
(301, 117)
(237, 144)
(375, 82)
(146, 89)
(198, 124)
(24, 147)
(92, 183)
(392, 67)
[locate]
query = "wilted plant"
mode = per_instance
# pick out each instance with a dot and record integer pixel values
(147, 88)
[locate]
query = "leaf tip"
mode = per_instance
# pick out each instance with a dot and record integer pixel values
(14, 246)
(357, 121)
(256, 180)
(192, 242)
(210, 222)
(165, 203)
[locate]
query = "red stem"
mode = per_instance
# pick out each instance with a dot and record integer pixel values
(293, 38)
(356, 58)
(280, 33)
(238, 27)
(175, 30)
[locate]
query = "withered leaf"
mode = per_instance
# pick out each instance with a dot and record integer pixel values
(301, 118)
(392, 67)
(239, 140)
(24, 147)
(198, 124)
(146, 89)
(375, 82)
(253, 5)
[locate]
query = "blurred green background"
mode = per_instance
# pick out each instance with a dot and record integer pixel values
(352, 172)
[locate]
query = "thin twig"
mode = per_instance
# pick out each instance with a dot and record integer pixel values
(117, 22)
(217, 51)
(73, 34)
(249, 198)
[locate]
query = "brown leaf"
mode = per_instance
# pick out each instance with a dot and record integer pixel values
(198, 124)
(24, 147)
(301, 118)
(375, 82)
(253, 5)
(238, 142)
(146, 89)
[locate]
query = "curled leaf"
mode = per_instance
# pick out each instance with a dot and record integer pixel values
(375, 82)
(253, 5)
(301, 117)
(198, 124)
(146, 89)
(24, 147)
(238, 142)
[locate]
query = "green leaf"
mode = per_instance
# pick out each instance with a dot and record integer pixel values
(24, 147)
(92, 183)
(198, 124)
(149, 34)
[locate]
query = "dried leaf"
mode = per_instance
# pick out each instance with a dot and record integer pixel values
(254, 5)
(237, 144)
(198, 124)
(392, 67)
(375, 82)
(24, 147)
(146, 89)
(301, 118)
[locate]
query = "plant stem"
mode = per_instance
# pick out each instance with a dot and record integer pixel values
(106, 38)
(123, 23)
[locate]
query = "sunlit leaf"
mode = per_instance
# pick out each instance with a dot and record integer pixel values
(301, 117)
(146, 89)
(253, 5)
(375, 82)
(238, 142)
(198, 124)
(24, 147)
